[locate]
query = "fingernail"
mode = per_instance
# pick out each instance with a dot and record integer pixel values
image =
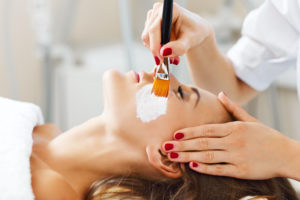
(224, 93)
(171, 61)
(157, 61)
(167, 52)
(179, 136)
(174, 155)
(195, 164)
(169, 146)
(176, 61)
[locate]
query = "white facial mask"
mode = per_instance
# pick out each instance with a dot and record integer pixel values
(148, 106)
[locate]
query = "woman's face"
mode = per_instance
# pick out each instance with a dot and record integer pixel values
(190, 108)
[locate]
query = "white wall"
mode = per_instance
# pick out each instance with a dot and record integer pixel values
(28, 70)
(97, 22)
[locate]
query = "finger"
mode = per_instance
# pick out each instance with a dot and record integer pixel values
(175, 48)
(155, 38)
(235, 109)
(203, 156)
(217, 169)
(207, 130)
(198, 144)
(176, 60)
(145, 35)
(171, 60)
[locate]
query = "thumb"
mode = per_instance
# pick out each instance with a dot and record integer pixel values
(235, 109)
(174, 48)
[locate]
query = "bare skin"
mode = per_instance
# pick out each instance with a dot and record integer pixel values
(250, 149)
(194, 37)
(116, 143)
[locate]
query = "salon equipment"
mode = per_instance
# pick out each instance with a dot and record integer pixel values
(161, 82)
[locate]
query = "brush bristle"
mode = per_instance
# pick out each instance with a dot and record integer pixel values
(161, 87)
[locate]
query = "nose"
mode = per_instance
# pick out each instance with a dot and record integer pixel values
(174, 83)
(148, 77)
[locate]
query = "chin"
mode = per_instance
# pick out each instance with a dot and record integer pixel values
(117, 93)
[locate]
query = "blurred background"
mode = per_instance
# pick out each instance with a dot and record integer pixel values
(53, 54)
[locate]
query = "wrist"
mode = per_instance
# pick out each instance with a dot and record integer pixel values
(291, 167)
(207, 45)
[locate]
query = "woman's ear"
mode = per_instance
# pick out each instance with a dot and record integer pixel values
(161, 162)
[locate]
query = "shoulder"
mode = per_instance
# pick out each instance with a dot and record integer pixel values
(49, 185)
(47, 131)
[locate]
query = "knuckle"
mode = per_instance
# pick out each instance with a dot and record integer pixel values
(152, 28)
(237, 143)
(203, 143)
(153, 50)
(243, 171)
(238, 127)
(209, 156)
(207, 131)
(219, 170)
(157, 5)
(144, 37)
(149, 13)
(240, 157)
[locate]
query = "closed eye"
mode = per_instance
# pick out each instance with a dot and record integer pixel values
(180, 92)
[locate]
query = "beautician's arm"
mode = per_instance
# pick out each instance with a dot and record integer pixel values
(250, 149)
(193, 36)
(213, 71)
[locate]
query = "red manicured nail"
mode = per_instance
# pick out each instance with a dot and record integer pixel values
(167, 52)
(179, 136)
(174, 155)
(171, 60)
(176, 61)
(169, 146)
(195, 164)
(157, 61)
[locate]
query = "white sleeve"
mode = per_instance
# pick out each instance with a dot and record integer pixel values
(268, 45)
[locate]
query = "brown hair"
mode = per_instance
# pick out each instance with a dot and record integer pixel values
(191, 186)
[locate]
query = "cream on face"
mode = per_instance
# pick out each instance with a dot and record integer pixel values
(148, 106)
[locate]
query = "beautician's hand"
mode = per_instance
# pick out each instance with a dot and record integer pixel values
(188, 30)
(249, 149)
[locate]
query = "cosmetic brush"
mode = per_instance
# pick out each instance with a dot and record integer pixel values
(161, 82)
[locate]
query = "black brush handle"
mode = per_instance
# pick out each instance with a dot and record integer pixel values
(166, 24)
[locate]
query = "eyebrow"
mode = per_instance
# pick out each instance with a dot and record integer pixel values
(198, 95)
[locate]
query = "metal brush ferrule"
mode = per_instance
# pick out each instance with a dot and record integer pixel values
(162, 71)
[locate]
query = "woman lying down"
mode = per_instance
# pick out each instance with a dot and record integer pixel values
(119, 155)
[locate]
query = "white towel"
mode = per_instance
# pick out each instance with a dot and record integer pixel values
(17, 120)
(253, 197)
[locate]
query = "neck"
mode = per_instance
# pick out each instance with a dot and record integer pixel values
(90, 152)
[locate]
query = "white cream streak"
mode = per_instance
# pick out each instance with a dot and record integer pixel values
(148, 106)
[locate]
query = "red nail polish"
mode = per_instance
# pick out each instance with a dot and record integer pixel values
(179, 136)
(176, 61)
(195, 164)
(171, 61)
(157, 61)
(169, 146)
(174, 155)
(167, 52)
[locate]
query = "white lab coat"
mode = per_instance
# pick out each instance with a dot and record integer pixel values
(269, 45)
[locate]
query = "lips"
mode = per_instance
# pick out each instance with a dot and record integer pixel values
(137, 76)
